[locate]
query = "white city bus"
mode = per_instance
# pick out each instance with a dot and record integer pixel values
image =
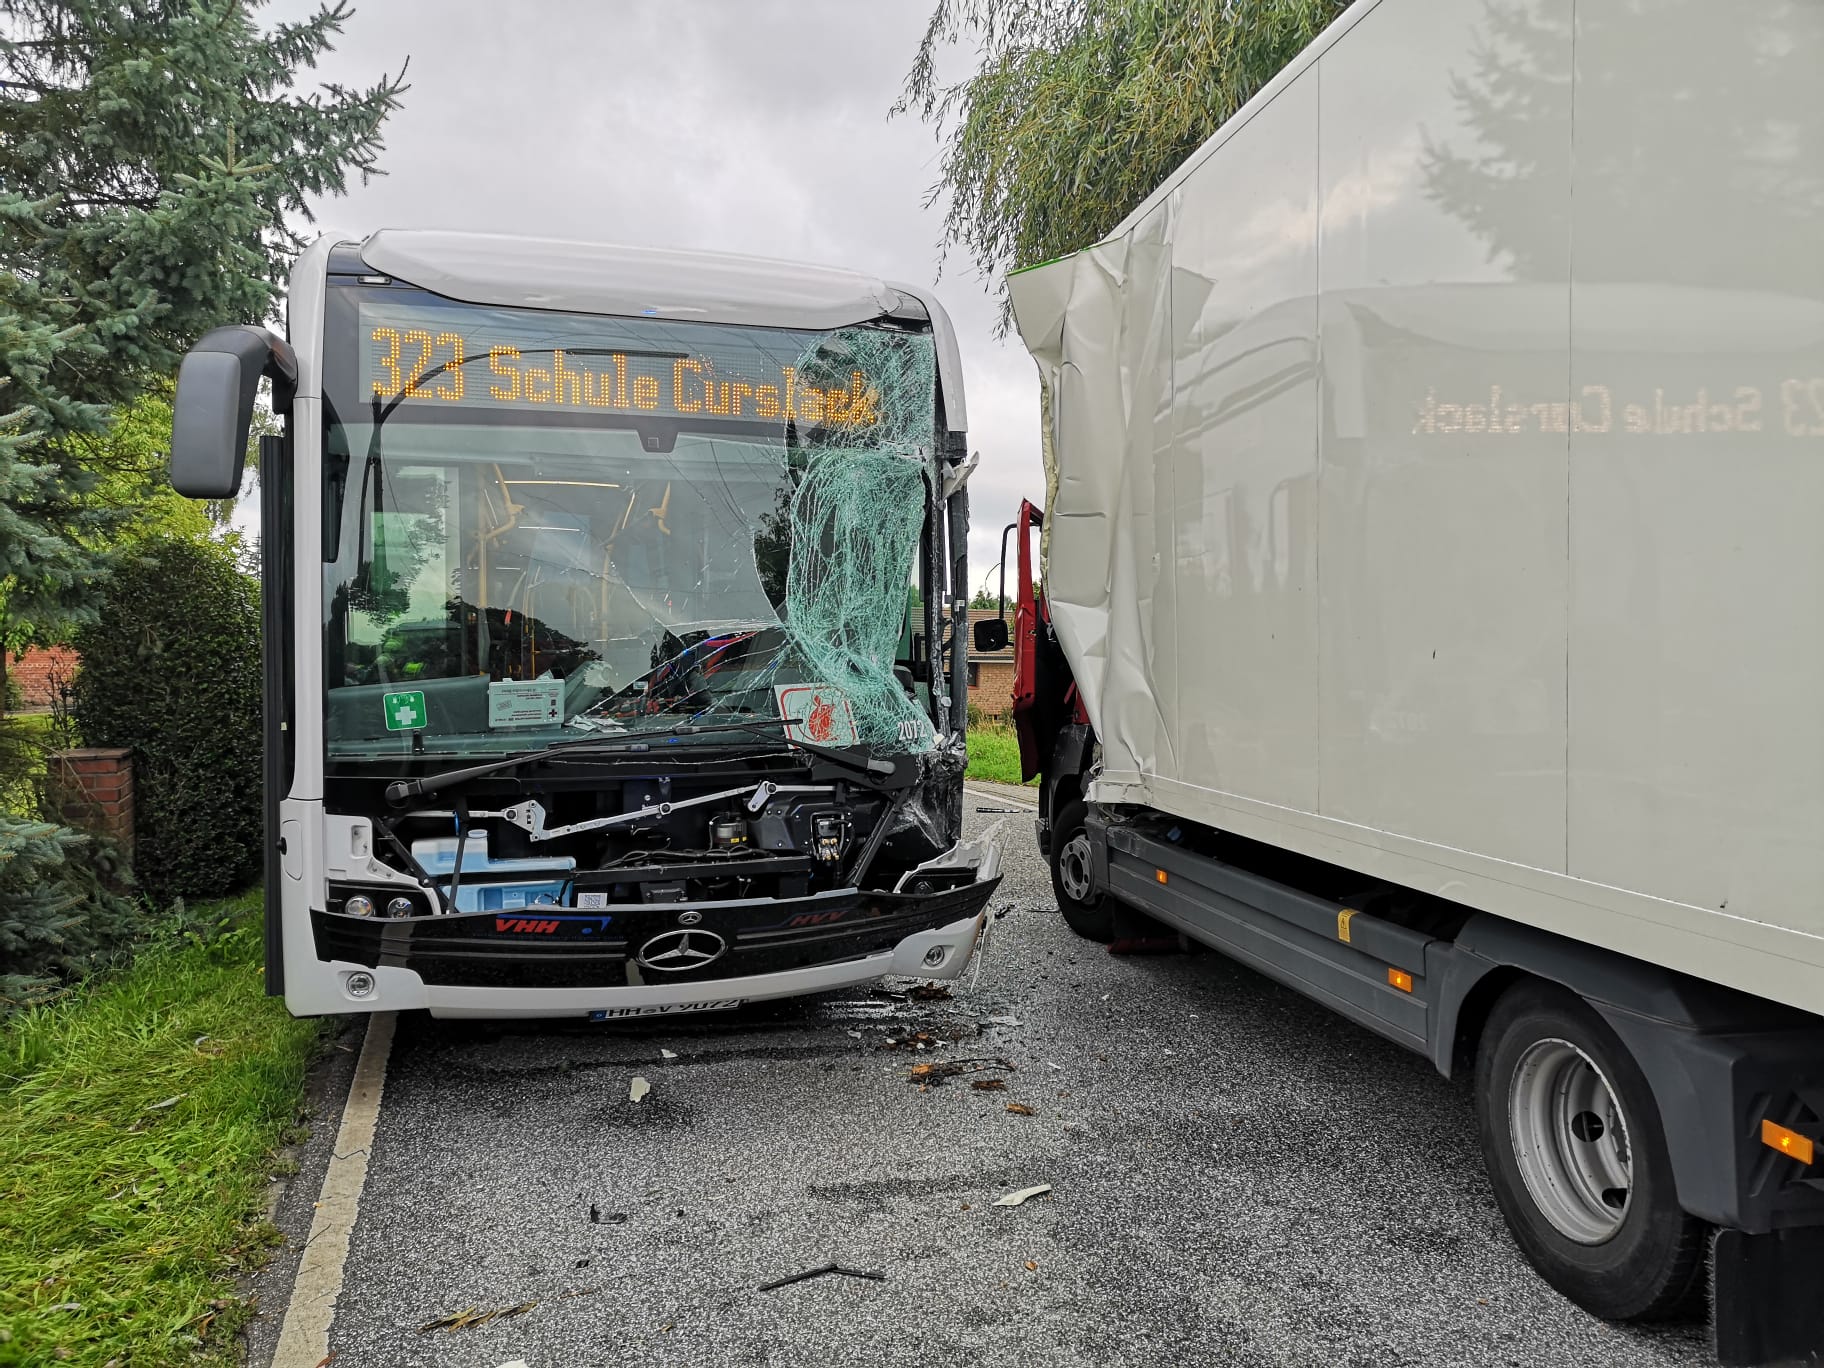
(608, 593)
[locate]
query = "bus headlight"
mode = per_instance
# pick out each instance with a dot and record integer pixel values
(359, 905)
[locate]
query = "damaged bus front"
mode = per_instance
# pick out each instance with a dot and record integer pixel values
(600, 592)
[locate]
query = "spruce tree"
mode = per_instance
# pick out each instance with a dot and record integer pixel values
(157, 161)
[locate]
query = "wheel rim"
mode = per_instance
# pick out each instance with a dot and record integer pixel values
(1073, 868)
(1570, 1141)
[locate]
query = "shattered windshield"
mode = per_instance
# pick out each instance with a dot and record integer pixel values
(538, 526)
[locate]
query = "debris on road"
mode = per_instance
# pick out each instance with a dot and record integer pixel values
(666, 1054)
(475, 1317)
(599, 1217)
(912, 1040)
(929, 992)
(1003, 1021)
(869, 1274)
(1023, 1196)
(926, 1074)
(989, 1085)
(638, 1089)
(1020, 1109)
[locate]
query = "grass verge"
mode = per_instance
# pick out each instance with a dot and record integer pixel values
(136, 1120)
(994, 754)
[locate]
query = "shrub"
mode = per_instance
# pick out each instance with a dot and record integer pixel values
(57, 920)
(171, 670)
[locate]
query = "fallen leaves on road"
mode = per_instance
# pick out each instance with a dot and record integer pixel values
(927, 1074)
(475, 1316)
(638, 1089)
(929, 992)
(989, 1085)
(1020, 1109)
(1031, 1266)
(1023, 1196)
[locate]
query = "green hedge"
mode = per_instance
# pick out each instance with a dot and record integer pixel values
(171, 670)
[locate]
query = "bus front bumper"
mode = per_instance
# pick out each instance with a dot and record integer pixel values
(560, 962)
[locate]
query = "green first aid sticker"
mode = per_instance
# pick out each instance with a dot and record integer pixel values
(405, 711)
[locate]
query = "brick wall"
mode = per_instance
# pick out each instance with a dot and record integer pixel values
(92, 789)
(38, 672)
(991, 689)
(991, 676)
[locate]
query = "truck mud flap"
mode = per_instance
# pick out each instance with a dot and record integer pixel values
(1767, 1305)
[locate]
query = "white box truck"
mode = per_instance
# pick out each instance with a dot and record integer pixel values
(1432, 607)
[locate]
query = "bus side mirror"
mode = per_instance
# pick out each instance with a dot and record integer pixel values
(216, 388)
(990, 635)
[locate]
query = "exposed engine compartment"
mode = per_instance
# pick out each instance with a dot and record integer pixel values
(775, 863)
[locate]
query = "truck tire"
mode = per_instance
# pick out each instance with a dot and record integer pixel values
(1573, 1143)
(1087, 910)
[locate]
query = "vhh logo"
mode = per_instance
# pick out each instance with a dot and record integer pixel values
(525, 925)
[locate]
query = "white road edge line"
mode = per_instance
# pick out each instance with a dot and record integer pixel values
(1000, 798)
(304, 1338)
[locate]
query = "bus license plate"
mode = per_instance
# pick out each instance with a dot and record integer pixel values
(666, 1009)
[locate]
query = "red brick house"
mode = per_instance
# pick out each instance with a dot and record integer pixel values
(38, 674)
(990, 675)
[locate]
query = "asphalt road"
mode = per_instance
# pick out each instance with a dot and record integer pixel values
(1237, 1178)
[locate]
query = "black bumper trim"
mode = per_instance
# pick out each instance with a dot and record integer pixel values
(567, 947)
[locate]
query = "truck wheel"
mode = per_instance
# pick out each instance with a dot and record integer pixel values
(1087, 911)
(1575, 1150)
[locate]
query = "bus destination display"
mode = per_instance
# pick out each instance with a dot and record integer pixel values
(506, 359)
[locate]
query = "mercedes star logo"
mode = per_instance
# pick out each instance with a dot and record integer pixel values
(672, 952)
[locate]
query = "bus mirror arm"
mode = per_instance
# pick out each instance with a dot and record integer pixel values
(217, 385)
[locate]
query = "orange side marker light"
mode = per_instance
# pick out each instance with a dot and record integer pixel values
(1787, 1142)
(1159, 874)
(1400, 979)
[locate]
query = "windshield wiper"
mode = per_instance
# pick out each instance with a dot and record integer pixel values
(402, 789)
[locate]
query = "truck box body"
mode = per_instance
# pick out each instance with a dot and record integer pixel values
(1435, 467)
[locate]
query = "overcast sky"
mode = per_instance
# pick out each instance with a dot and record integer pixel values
(754, 126)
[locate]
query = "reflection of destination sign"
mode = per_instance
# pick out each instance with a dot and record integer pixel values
(1793, 408)
(491, 359)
